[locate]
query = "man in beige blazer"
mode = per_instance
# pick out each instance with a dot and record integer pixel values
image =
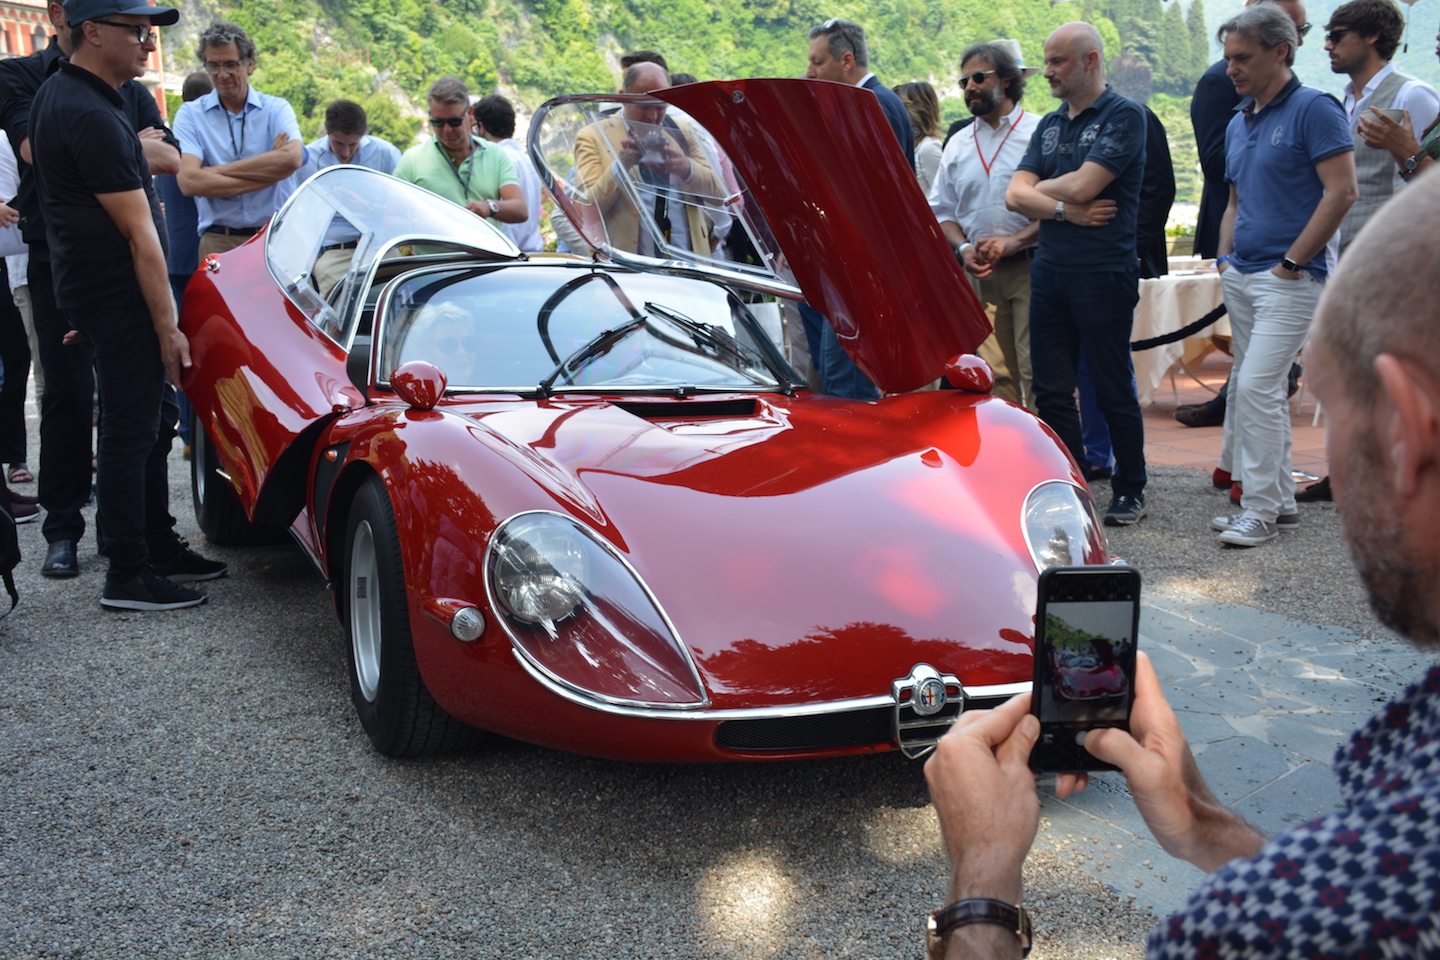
(667, 166)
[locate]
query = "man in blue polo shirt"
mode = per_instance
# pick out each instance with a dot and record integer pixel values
(236, 143)
(1081, 179)
(1290, 162)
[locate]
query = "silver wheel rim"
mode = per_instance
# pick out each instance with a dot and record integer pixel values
(365, 612)
(197, 455)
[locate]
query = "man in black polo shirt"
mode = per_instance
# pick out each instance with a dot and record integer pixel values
(103, 227)
(65, 408)
(1081, 179)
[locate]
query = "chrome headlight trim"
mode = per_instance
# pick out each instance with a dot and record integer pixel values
(1090, 518)
(560, 685)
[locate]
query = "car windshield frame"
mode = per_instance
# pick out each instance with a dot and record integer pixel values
(386, 215)
(767, 371)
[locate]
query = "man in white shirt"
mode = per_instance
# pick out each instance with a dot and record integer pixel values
(495, 121)
(1361, 37)
(968, 198)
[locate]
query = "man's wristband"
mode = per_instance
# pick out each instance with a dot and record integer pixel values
(1222, 260)
(960, 250)
(940, 924)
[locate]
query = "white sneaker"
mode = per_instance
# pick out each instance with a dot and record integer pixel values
(1249, 532)
(1286, 521)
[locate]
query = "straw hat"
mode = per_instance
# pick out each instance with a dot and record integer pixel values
(1012, 47)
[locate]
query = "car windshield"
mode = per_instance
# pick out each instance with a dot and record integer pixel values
(347, 208)
(542, 329)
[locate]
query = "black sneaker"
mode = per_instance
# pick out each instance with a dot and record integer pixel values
(188, 566)
(1125, 509)
(149, 591)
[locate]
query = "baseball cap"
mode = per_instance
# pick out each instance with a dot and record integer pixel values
(78, 11)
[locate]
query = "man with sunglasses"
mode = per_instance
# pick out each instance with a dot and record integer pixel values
(104, 229)
(236, 143)
(968, 198)
(66, 425)
(461, 167)
(1361, 38)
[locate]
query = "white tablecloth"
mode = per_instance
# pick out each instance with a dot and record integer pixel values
(1190, 291)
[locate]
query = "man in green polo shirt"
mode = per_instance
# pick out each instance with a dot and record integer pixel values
(458, 165)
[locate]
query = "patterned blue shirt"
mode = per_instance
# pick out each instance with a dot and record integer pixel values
(1362, 882)
(207, 130)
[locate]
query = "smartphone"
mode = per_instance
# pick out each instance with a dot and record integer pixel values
(1086, 622)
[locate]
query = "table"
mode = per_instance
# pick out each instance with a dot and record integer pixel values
(1191, 290)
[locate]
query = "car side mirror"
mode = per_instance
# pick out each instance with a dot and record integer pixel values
(419, 383)
(968, 372)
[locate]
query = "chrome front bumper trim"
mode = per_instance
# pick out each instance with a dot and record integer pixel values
(997, 691)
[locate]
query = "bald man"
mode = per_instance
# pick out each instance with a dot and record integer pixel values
(640, 154)
(1361, 881)
(1081, 178)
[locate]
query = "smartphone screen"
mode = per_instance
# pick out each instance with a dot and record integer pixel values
(1085, 629)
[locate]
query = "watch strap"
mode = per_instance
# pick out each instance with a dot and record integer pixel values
(961, 913)
(1412, 162)
(1289, 265)
(1060, 210)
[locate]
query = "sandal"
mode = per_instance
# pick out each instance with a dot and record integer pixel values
(20, 473)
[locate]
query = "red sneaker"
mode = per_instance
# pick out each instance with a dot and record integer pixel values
(1221, 479)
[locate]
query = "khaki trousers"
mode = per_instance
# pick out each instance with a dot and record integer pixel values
(218, 243)
(1006, 296)
(331, 268)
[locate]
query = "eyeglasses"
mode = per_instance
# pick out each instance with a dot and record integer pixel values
(977, 78)
(1335, 36)
(142, 31)
(229, 66)
(468, 344)
(1304, 28)
(439, 122)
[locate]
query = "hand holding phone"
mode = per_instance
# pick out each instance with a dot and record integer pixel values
(1086, 622)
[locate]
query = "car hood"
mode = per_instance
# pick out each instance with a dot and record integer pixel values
(899, 545)
(825, 195)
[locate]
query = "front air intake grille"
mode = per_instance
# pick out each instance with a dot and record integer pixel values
(690, 409)
(817, 732)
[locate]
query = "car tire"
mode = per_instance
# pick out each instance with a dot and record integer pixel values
(217, 510)
(395, 707)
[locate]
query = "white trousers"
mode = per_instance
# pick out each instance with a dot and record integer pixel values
(1269, 321)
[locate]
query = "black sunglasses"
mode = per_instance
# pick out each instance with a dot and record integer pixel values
(1335, 36)
(1304, 28)
(446, 121)
(977, 78)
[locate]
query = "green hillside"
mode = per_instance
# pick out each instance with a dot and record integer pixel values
(385, 53)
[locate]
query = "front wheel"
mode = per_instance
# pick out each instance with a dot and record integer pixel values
(396, 709)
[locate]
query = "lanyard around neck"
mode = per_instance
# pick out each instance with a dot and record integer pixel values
(1013, 124)
(475, 149)
(230, 125)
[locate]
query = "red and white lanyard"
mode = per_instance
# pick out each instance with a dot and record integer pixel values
(1015, 123)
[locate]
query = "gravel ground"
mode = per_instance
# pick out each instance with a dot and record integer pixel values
(194, 784)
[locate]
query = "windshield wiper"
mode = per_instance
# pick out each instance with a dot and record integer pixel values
(596, 347)
(727, 347)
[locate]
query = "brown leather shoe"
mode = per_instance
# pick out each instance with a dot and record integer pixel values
(1199, 415)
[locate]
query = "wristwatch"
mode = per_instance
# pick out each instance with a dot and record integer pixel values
(1289, 266)
(946, 921)
(494, 207)
(1411, 163)
(1060, 210)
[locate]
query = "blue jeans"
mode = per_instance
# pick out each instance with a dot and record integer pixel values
(839, 377)
(138, 416)
(1093, 312)
(178, 283)
(1093, 433)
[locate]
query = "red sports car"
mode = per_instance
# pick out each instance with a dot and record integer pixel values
(585, 502)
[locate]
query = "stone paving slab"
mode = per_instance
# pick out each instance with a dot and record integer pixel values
(1265, 700)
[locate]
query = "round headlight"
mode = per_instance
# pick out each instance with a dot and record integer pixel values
(1061, 527)
(540, 569)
